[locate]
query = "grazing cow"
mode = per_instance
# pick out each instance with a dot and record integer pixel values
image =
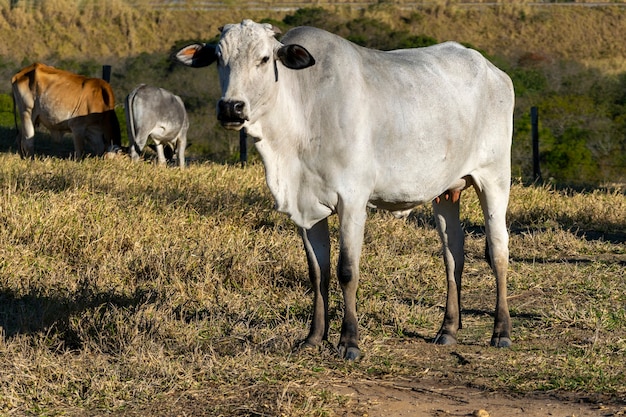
(65, 102)
(339, 126)
(156, 113)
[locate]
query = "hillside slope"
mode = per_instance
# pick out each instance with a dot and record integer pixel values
(568, 60)
(101, 30)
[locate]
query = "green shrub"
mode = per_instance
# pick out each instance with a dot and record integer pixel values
(528, 80)
(568, 159)
(7, 123)
(416, 41)
(6, 110)
(314, 16)
(369, 32)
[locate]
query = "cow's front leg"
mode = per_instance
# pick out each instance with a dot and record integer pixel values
(452, 238)
(317, 246)
(352, 227)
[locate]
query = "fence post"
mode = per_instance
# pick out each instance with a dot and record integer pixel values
(534, 121)
(243, 147)
(106, 73)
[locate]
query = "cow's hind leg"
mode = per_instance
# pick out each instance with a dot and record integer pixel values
(180, 152)
(137, 141)
(317, 246)
(352, 225)
(26, 145)
(96, 140)
(79, 144)
(494, 198)
(181, 146)
(452, 237)
(161, 154)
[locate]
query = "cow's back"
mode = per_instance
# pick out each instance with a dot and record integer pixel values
(387, 79)
(155, 103)
(62, 95)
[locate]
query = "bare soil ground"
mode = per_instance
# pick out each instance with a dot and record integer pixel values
(403, 397)
(400, 398)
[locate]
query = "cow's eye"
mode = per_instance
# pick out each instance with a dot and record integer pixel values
(264, 60)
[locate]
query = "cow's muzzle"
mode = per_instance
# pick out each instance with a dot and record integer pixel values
(231, 113)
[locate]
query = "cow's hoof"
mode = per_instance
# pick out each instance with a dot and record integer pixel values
(304, 345)
(444, 339)
(501, 342)
(351, 353)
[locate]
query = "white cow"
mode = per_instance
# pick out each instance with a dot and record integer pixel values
(156, 113)
(339, 126)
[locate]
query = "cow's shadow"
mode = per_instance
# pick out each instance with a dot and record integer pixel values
(45, 144)
(8, 139)
(613, 233)
(33, 313)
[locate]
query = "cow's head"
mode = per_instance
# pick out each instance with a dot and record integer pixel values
(247, 56)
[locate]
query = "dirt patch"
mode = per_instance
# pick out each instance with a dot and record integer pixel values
(398, 398)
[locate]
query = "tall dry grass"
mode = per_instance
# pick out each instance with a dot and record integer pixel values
(131, 290)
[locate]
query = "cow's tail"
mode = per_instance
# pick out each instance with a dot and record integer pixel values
(130, 119)
(116, 140)
(18, 133)
(17, 129)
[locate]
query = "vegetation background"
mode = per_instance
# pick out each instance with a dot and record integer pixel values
(569, 61)
(131, 290)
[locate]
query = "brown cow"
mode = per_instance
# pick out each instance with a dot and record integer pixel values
(65, 102)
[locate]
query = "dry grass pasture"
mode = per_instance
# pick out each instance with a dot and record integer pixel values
(126, 289)
(129, 290)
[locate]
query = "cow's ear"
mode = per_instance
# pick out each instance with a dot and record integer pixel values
(295, 57)
(196, 55)
(271, 29)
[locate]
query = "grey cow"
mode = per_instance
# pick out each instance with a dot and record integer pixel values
(340, 127)
(153, 112)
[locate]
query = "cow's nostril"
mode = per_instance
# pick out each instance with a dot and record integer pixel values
(232, 109)
(231, 112)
